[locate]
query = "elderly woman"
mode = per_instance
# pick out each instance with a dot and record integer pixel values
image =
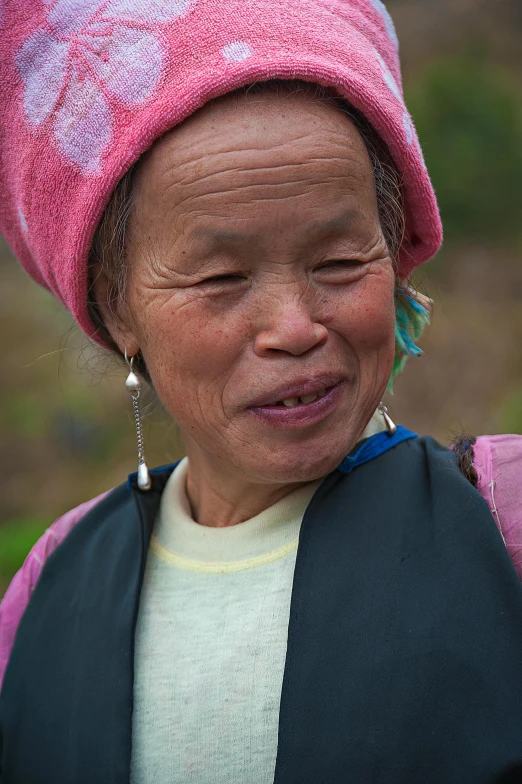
(231, 196)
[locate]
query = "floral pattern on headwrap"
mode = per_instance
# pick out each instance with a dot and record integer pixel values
(89, 53)
(388, 21)
(388, 76)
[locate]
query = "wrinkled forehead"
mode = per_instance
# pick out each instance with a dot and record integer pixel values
(254, 143)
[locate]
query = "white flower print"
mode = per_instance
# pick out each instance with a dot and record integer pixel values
(388, 21)
(88, 53)
(408, 129)
(388, 76)
(23, 222)
(236, 52)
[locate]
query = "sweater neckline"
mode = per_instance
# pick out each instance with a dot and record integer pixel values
(274, 529)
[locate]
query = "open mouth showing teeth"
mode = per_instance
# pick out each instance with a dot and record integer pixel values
(291, 402)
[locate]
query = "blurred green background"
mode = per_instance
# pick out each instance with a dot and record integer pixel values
(65, 421)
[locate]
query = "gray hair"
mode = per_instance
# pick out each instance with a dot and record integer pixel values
(109, 248)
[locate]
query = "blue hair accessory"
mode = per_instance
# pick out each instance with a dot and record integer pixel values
(412, 315)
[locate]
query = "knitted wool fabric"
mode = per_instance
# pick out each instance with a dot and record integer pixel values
(86, 86)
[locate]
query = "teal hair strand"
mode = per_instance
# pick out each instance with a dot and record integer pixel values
(412, 315)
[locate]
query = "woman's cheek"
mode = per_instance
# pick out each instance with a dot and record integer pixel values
(199, 351)
(367, 323)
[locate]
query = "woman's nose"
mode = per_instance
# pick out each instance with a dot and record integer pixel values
(291, 329)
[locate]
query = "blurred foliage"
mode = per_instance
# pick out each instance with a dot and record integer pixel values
(468, 114)
(511, 412)
(16, 539)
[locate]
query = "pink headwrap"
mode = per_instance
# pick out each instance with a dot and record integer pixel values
(88, 85)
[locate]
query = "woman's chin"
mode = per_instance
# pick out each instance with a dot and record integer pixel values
(303, 454)
(298, 463)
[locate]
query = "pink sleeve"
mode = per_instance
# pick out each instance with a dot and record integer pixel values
(498, 460)
(22, 585)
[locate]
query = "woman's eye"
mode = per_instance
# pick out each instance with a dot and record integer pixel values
(341, 271)
(220, 279)
(341, 263)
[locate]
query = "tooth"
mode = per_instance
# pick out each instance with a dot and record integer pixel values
(308, 398)
(290, 402)
(321, 393)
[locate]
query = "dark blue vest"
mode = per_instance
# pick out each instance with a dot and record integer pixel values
(404, 658)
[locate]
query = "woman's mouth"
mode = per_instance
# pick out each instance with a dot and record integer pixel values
(300, 410)
(292, 402)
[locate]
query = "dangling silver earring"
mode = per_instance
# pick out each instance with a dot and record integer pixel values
(133, 384)
(388, 421)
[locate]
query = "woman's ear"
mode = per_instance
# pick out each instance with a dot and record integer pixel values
(114, 313)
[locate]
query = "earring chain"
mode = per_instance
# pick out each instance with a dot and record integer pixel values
(133, 384)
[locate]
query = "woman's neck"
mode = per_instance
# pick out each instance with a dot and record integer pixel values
(219, 498)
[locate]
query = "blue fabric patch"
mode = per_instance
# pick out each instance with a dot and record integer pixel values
(375, 446)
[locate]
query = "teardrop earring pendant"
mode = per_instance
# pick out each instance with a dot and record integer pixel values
(391, 427)
(133, 384)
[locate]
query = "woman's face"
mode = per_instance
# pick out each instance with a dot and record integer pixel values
(260, 288)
